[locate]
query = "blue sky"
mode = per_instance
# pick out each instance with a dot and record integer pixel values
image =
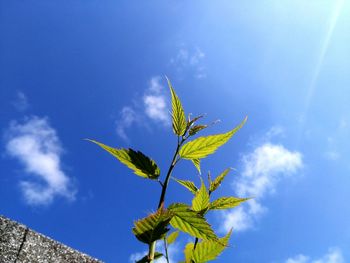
(89, 69)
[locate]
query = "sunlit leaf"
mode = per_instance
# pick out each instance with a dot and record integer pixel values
(197, 164)
(196, 128)
(135, 160)
(209, 250)
(172, 237)
(190, 222)
(152, 227)
(226, 202)
(188, 252)
(203, 146)
(217, 182)
(178, 114)
(187, 184)
(201, 200)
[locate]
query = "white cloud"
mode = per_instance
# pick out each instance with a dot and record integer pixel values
(21, 101)
(335, 141)
(173, 250)
(36, 145)
(190, 60)
(263, 168)
(298, 259)
(127, 118)
(155, 102)
(334, 255)
(154, 106)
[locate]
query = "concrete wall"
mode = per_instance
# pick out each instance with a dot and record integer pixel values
(19, 244)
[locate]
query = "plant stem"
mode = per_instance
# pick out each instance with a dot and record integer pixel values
(166, 250)
(166, 181)
(162, 195)
(152, 250)
(195, 243)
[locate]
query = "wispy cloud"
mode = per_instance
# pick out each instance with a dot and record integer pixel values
(36, 145)
(335, 141)
(154, 106)
(155, 102)
(21, 101)
(263, 168)
(128, 117)
(334, 255)
(190, 60)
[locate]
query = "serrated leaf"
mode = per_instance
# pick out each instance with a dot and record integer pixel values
(188, 184)
(217, 182)
(203, 146)
(201, 200)
(226, 202)
(188, 252)
(196, 128)
(209, 250)
(145, 259)
(172, 237)
(178, 114)
(190, 222)
(197, 164)
(152, 227)
(141, 164)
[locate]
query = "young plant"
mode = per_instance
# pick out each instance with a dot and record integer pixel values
(189, 219)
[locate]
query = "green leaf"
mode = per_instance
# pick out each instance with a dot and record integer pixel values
(172, 237)
(188, 184)
(196, 128)
(152, 227)
(217, 182)
(197, 164)
(178, 114)
(135, 160)
(209, 250)
(226, 202)
(201, 200)
(190, 222)
(203, 146)
(188, 252)
(145, 259)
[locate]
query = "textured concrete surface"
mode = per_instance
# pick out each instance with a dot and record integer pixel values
(18, 244)
(11, 238)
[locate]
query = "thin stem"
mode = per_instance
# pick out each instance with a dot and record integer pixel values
(195, 243)
(166, 181)
(166, 250)
(152, 249)
(164, 188)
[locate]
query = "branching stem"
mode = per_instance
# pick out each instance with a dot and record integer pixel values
(164, 185)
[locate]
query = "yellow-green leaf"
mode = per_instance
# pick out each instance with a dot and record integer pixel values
(152, 227)
(201, 200)
(203, 146)
(172, 237)
(197, 164)
(178, 114)
(188, 184)
(217, 182)
(209, 250)
(141, 164)
(188, 252)
(196, 128)
(190, 222)
(226, 202)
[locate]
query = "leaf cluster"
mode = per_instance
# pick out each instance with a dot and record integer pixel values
(189, 219)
